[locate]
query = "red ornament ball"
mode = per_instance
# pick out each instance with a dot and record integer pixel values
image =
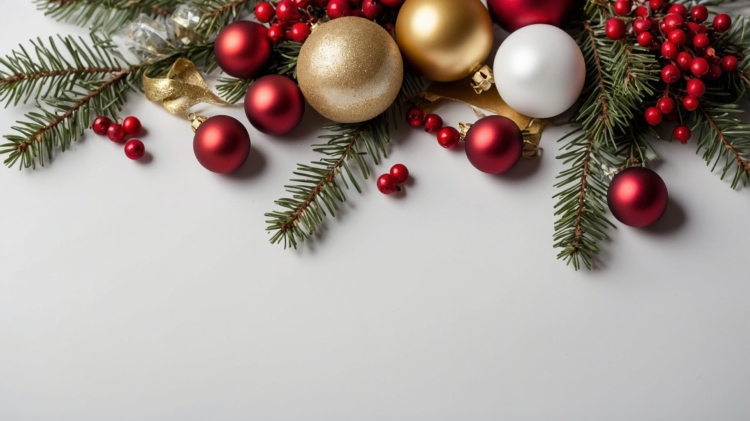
(264, 11)
(728, 63)
(132, 126)
(115, 132)
(682, 133)
(615, 29)
(448, 137)
(400, 173)
(515, 14)
(101, 124)
(300, 31)
(494, 144)
(722, 22)
(387, 184)
(433, 123)
(242, 48)
(274, 105)
(221, 144)
(653, 116)
(637, 197)
(134, 149)
(415, 117)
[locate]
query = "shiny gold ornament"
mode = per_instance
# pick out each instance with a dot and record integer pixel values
(350, 70)
(445, 40)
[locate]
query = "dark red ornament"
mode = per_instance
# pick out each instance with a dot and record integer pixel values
(387, 184)
(641, 11)
(115, 132)
(448, 137)
(656, 5)
(515, 14)
(673, 21)
(134, 149)
(400, 173)
(274, 105)
(677, 36)
(494, 144)
(132, 126)
(221, 144)
(637, 197)
(101, 124)
(433, 123)
(242, 48)
(683, 60)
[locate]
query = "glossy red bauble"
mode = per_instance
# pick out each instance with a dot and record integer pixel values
(494, 144)
(134, 149)
(242, 48)
(264, 12)
(615, 29)
(132, 126)
(400, 173)
(637, 197)
(448, 137)
(221, 144)
(115, 132)
(274, 105)
(515, 14)
(101, 124)
(682, 133)
(653, 116)
(722, 22)
(387, 184)
(433, 123)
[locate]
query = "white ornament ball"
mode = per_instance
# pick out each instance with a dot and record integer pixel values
(539, 71)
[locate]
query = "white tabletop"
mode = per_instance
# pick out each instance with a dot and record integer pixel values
(149, 291)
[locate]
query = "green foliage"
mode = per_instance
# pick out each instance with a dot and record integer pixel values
(724, 140)
(105, 15)
(220, 13)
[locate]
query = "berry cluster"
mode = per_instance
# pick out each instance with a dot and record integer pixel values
(388, 183)
(447, 137)
(116, 132)
(684, 39)
(292, 19)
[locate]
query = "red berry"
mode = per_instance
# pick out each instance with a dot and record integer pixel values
(392, 3)
(693, 28)
(264, 12)
(701, 41)
(714, 72)
(286, 10)
(301, 4)
(642, 25)
(670, 73)
(653, 116)
(115, 132)
(387, 184)
(696, 88)
(722, 22)
(702, 29)
(699, 66)
(415, 117)
(673, 21)
(645, 39)
(101, 124)
(699, 13)
(677, 36)
(669, 50)
(358, 13)
(134, 149)
(679, 9)
(665, 104)
(448, 137)
(682, 133)
(433, 123)
(300, 31)
(622, 7)
(683, 60)
(728, 63)
(641, 11)
(372, 9)
(656, 4)
(132, 126)
(276, 33)
(400, 172)
(615, 29)
(338, 9)
(690, 103)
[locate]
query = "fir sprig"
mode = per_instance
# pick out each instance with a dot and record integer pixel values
(220, 13)
(105, 15)
(725, 140)
(318, 188)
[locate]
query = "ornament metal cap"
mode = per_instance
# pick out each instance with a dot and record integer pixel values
(483, 79)
(197, 120)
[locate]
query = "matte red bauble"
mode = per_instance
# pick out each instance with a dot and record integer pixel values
(637, 197)
(494, 144)
(242, 48)
(221, 144)
(274, 105)
(515, 14)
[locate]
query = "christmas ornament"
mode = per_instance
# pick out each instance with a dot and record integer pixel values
(134, 149)
(131, 125)
(221, 144)
(637, 197)
(444, 40)
(242, 48)
(494, 144)
(400, 173)
(274, 105)
(115, 132)
(350, 70)
(515, 14)
(100, 125)
(540, 71)
(387, 184)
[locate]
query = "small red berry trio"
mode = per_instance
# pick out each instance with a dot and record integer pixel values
(116, 132)
(685, 49)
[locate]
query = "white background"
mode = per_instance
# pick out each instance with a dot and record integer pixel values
(148, 291)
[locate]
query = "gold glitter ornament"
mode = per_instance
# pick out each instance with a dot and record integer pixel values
(445, 40)
(350, 70)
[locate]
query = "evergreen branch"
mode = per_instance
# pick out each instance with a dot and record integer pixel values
(725, 140)
(105, 15)
(285, 59)
(220, 13)
(232, 89)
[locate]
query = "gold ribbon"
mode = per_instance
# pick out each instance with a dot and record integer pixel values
(181, 89)
(490, 100)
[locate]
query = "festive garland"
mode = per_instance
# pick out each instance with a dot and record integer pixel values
(630, 53)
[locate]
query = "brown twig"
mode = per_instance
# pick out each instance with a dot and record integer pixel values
(92, 70)
(224, 8)
(600, 73)
(582, 196)
(742, 163)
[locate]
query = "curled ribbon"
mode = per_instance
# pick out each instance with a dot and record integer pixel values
(181, 89)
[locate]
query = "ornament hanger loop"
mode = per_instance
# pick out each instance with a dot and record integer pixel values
(483, 79)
